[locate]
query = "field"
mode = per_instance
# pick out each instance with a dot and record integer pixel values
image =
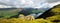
(6, 13)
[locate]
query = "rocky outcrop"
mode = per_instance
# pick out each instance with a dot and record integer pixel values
(28, 17)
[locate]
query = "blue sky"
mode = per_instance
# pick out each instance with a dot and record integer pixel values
(29, 3)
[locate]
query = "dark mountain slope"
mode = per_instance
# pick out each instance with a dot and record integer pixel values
(51, 12)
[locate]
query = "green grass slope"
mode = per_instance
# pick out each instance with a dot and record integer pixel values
(8, 13)
(56, 17)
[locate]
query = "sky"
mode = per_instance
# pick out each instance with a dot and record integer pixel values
(28, 3)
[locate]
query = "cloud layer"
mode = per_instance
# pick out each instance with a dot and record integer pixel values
(28, 3)
(52, 1)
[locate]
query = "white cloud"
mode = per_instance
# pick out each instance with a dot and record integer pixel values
(28, 3)
(53, 4)
(4, 6)
(22, 3)
(52, 1)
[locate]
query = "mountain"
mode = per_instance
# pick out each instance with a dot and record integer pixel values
(51, 12)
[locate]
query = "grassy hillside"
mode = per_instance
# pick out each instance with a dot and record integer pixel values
(53, 18)
(56, 14)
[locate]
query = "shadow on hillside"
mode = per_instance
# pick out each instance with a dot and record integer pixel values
(48, 13)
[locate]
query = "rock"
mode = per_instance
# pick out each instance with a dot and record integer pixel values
(28, 17)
